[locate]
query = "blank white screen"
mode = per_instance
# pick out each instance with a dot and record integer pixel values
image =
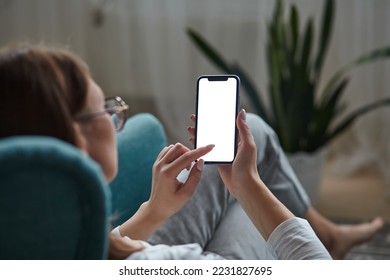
(216, 118)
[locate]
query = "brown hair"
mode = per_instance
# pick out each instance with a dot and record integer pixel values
(41, 91)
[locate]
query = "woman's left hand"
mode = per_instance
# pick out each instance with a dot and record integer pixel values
(243, 170)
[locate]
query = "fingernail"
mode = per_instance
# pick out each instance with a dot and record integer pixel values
(243, 114)
(200, 165)
(210, 146)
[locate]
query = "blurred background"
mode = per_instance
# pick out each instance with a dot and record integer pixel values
(139, 49)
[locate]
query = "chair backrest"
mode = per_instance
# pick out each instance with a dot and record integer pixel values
(54, 202)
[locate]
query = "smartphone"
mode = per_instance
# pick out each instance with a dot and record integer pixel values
(217, 105)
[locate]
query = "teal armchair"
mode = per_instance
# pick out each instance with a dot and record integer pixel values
(54, 202)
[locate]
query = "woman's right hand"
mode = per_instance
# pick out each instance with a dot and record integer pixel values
(168, 194)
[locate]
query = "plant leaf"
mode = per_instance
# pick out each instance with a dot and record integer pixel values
(209, 51)
(294, 29)
(276, 58)
(275, 74)
(217, 59)
(326, 31)
(306, 48)
(323, 116)
(333, 98)
(294, 70)
(292, 40)
(352, 117)
(368, 57)
(299, 114)
(278, 13)
(251, 91)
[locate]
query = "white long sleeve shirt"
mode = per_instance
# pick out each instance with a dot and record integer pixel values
(293, 239)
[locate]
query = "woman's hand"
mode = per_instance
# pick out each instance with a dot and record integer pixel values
(122, 247)
(243, 170)
(243, 182)
(168, 194)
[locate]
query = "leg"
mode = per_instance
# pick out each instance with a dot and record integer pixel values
(278, 175)
(339, 239)
(275, 170)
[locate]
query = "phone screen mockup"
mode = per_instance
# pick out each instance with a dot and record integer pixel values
(217, 105)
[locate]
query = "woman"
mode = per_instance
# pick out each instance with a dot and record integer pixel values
(57, 97)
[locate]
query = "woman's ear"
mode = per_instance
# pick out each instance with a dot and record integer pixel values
(81, 142)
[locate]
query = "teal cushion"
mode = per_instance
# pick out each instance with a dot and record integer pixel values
(139, 144)
(54, 201)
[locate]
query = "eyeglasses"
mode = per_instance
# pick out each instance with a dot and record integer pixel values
(114, 106)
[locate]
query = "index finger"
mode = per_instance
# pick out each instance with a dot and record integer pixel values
(187, 158)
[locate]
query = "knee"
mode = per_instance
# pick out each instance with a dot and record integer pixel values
(254, 118)
(259, 127)
(265, 137)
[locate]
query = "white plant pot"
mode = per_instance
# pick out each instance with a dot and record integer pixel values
(308, 168)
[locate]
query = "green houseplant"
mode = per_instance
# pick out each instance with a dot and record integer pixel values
(303, 118)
